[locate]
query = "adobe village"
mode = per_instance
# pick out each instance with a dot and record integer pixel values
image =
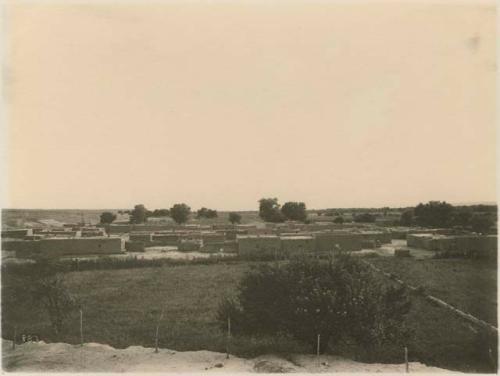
(278, 186)
(281, 289)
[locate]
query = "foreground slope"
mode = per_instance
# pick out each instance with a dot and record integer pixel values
(63, 357)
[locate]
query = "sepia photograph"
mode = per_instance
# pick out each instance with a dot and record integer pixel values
(249, 186)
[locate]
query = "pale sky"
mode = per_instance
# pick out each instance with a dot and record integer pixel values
(218, 104)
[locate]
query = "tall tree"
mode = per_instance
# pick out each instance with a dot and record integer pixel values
(295, 211)
(269, 210)
(180, 213)
(234, 218)
(139, 214)
(434, 214)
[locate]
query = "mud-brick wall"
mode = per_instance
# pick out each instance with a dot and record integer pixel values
(326, 242)
(296, 245)
(257, 246)
(23, 248)
(80, 246)
(166, 239)
(140, 236)
(382, 237)
(418, 240)
(16, 234)
(213, 238)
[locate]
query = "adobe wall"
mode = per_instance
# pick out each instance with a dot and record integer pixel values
(140, 236)
(326, 242)
(418, 240)
(258, 246)
(16, 234)
(292, 245)
(134, 246)
(170, 239)
(189, 245)
(213, 238)
(80, 246)
(23, 248)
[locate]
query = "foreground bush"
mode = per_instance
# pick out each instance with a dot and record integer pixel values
(340, 299)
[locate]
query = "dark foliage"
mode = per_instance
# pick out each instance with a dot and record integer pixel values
(407, 218)
(206, 213)
(340, 300)
(180, 213)
(107, 217)
(234, 218)
(295, 211)
(269, 210)
(434, 214)
(139, 214)
(364, 218)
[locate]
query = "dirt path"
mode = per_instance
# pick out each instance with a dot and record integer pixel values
(62, 357)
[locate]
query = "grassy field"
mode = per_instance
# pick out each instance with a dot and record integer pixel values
(469, 285)
(121, 308)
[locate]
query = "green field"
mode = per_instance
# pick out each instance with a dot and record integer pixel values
(121, 308)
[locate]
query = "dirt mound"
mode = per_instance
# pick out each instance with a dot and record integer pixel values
(63, 357)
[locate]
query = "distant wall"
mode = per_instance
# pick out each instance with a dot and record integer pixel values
(80, 246)
(482, 245)
(259, 246)
(140, 236)
(56, 247)
(295, 245)
(16, 234)
(326, 242)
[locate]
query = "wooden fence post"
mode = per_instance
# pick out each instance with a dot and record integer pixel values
(406, 360)
(228, 336)
(81, 327)
(15, 337)
(158, 332)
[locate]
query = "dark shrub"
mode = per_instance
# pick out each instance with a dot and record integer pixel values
(341, 300)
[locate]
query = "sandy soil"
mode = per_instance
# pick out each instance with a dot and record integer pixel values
(62, 357)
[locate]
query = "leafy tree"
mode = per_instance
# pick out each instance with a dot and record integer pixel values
(339, 219)
(364, 218)
(159, 213)
(434, 214)
(180, 213)
(340, 300)
(234, 218)
(462, 216)
(406, 218)
(139, 214)
(295, 211)
(206, 213)
(269, 210)
(481, 223)
(48, 289)
(107, 217)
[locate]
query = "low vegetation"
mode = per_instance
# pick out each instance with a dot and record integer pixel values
(322, 304)
(121, 308)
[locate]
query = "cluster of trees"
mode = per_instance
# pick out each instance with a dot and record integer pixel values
(479, 218)
(180, 213)
(364, 218)
(341, 300)
(271, 211)
(206, 213)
